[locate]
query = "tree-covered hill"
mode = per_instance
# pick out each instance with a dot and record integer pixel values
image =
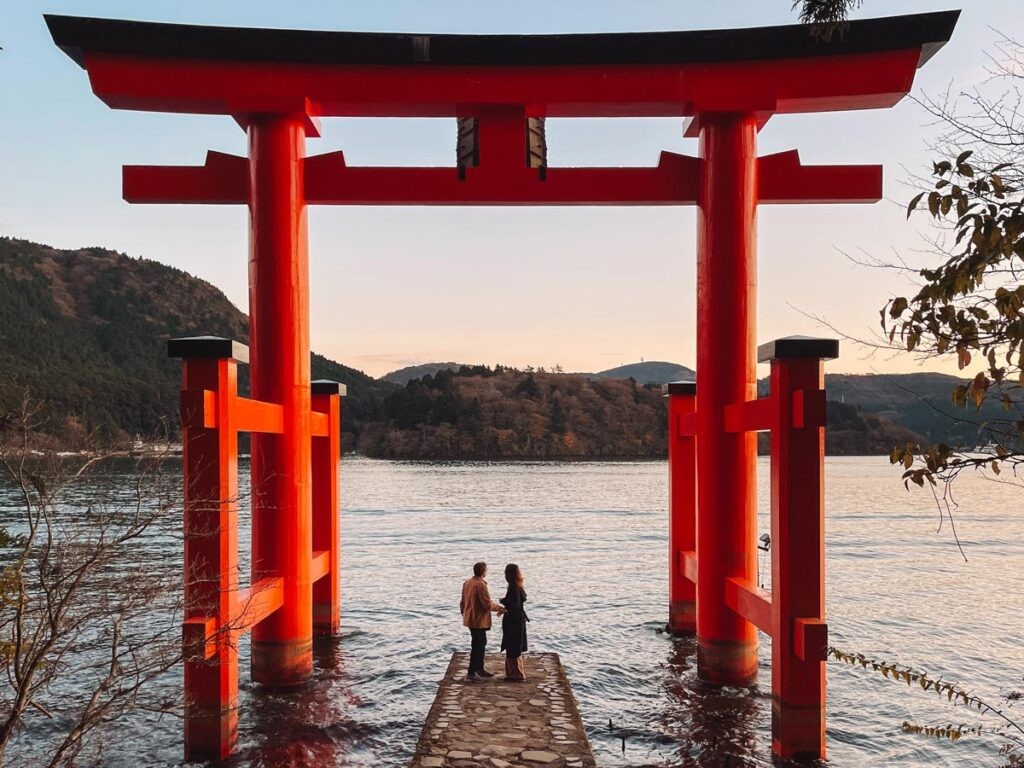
(920, 402)
(85, 332)
(404, 375)
(652, 372)
(503, 413)
(481, 413)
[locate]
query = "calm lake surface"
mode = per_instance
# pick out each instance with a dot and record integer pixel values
(591, 539)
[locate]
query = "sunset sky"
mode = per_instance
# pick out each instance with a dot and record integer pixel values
(586, 288)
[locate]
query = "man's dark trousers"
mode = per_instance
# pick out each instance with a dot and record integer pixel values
(476, 655)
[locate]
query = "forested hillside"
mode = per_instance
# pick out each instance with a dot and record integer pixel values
(483, 413)
(85, 333)
(478, 412)
(921, 402)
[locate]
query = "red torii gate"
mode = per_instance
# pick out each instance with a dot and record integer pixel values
(278, 83)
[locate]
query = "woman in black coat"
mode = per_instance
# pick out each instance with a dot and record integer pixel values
(513, 625)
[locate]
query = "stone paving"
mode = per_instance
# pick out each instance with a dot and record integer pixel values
(495, 724)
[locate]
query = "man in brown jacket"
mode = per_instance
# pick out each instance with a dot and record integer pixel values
(476, 606)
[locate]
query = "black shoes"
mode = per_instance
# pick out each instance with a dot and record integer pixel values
(479, 677)
(484, 673)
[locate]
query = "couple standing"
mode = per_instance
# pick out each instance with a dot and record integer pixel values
(476, 607)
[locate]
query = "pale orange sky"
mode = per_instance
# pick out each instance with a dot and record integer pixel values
(584, 288)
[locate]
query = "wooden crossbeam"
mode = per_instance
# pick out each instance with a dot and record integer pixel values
(675, 180)
(751, 416)
(320, 565)
(782, 178)
(751, 602)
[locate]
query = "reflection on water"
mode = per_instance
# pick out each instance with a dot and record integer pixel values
(707, 727)
(591, 539)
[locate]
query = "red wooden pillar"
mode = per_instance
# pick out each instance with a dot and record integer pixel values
(282, 541)
(210, 467)
(326, 508)
(798, 543)
(726, 463)
(682, 506)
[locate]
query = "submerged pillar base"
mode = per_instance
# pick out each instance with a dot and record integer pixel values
(798, 731)
(727, 662)
(210, 730)
(682, 617)
(326, 622)
(282, 664)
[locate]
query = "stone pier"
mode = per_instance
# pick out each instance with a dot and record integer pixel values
(495, 724)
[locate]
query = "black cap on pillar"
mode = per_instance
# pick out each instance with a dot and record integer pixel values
(210, 347)
(796, 347)
(680, 388)
(327, 387)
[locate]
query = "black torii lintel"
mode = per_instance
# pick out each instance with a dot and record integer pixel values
(75, 35)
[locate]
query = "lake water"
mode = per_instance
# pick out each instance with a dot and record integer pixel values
(591, 540)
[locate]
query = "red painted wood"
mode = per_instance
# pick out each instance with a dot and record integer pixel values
(259, 417)
(282, 654)
(209, 459)
(810, 639)
(199, 638)
(199, 408)
(686, 424)
(750, 416)
(726, 462)
(674, 181)
(682, 526)
(327, 517)
(257, 602)
(798, 564)
(319, 565)
(828, 83)
(223, 179)
(320, 423)
(783, 179)
(751, 602)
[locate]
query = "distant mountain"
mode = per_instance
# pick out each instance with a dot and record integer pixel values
(85, 332)
(654, 372)
(920, 402)
(404, 375)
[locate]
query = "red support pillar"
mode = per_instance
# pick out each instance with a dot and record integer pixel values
(798, 542)
(682, 506)
(279, 337)
(326, 508)
(726, 463)
(210, 467)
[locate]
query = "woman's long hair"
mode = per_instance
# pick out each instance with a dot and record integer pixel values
(512, 574)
